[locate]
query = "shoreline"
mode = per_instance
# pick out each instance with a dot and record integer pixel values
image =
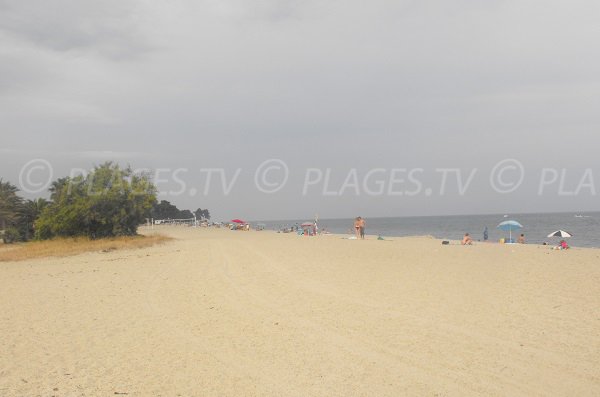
(430, 237)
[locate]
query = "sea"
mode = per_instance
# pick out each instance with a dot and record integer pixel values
(585, 227)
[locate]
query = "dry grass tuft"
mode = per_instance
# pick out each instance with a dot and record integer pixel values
(61, 247)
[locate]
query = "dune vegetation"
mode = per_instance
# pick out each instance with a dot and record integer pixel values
(68, 246)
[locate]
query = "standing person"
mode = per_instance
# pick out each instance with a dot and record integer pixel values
(362, 225)
(485, 234)
(357, 227)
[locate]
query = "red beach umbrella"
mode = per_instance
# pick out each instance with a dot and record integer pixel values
(237, 221)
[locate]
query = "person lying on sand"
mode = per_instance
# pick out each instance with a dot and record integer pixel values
(467, 240)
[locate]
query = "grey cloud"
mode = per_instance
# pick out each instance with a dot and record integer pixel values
(258, 10)
(109, 155)
(108, 28)
(338, 84)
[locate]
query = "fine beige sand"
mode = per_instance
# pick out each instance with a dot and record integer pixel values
(223, 313)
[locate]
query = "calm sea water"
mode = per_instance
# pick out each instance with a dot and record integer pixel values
(585, 229)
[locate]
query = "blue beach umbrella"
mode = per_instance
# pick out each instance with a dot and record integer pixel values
(509, 226)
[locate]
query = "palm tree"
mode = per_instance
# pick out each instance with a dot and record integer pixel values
(10, 206)
(30, 212)
(57, 187)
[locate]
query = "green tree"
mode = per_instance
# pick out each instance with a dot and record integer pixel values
(202, 214)
(165, 210)
(109, 201)
(10, 209)
(30, 212)
(185, 214)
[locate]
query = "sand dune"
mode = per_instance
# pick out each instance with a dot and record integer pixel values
(221, 313)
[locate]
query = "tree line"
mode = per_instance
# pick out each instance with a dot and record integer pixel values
(166, 210)
(109, 201)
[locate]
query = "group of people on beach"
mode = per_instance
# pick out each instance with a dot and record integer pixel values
(360, 224)
(468, 240)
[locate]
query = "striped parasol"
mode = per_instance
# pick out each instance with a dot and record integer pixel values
(560, 233)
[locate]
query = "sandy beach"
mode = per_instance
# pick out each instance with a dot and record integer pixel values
(222, 313)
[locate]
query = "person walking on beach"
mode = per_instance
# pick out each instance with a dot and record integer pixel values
(357, 226)
(485, 234)
(362, 225)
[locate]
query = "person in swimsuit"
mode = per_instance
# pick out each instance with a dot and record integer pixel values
(357, 226)
(467, 240)
(362, 224)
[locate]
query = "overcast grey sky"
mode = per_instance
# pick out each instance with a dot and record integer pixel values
(318, 84)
